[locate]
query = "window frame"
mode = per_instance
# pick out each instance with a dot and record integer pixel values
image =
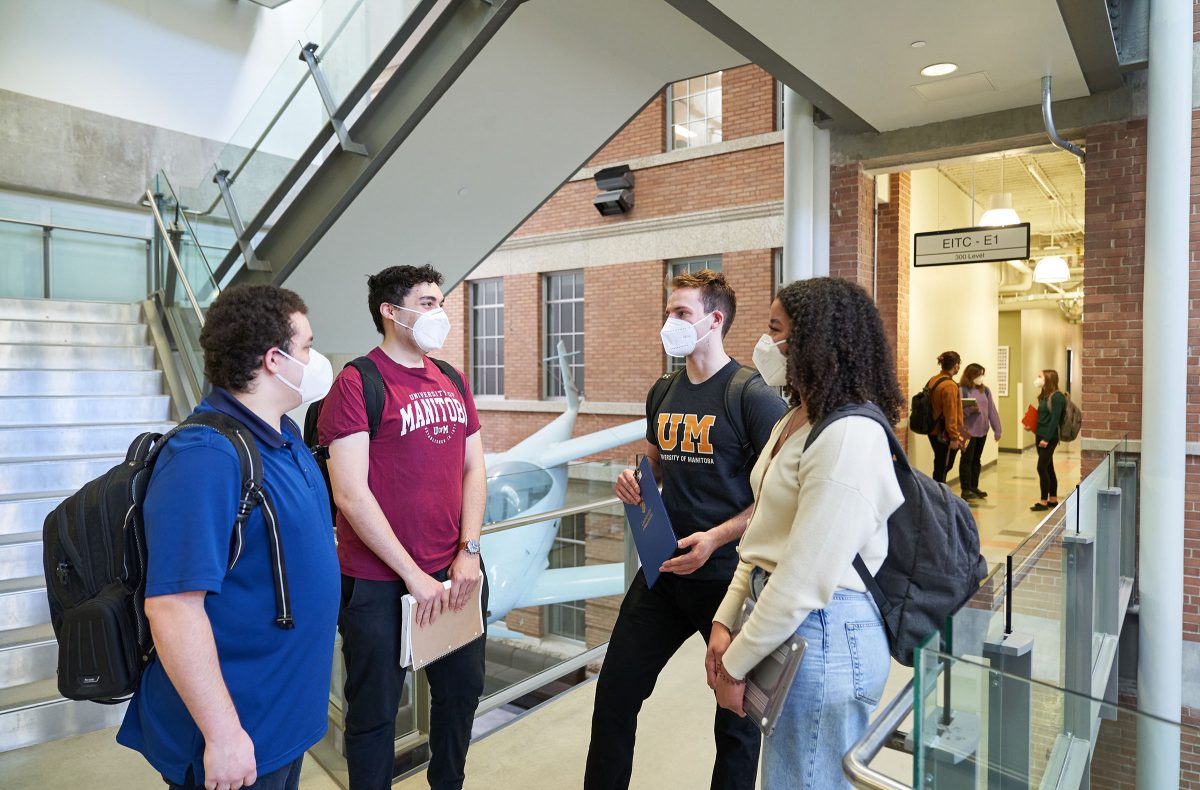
(550, 375)
(474, 308)
(670, 111)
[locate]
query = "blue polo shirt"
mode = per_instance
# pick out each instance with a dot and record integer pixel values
(278, 679)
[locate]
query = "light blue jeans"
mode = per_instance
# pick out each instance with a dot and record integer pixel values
(839, 683)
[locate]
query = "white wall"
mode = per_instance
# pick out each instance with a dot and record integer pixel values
(950, 307)
(193, 66)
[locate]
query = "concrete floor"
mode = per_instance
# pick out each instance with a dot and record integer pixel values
(545, 749)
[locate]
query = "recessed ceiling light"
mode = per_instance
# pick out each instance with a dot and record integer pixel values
(917, 44)
(939, 69)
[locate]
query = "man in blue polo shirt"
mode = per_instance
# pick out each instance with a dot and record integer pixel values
(232, 699)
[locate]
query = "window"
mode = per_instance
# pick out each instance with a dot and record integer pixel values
(487, 337)
(779, 89)
(564, 321)
(569, 551)
(694, 112)
(687, 266)
(777, 259)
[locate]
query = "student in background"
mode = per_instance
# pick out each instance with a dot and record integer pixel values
(1051, 404)
(976, 420)
(947, 436)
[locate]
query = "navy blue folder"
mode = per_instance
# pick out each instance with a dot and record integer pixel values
(651, 527)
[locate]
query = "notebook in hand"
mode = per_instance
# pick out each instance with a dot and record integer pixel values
(650, 525)
(768, 683)
(450, 631)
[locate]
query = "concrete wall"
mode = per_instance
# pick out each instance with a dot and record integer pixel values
(951, 307)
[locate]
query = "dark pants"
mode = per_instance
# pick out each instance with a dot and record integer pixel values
(971, 464)
(370, 626)
(651, 626)
(285, 778)
(1046, 476)
(943, 458)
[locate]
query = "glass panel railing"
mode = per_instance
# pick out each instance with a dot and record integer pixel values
(57, 261)
(1006, 730)
(555, 551)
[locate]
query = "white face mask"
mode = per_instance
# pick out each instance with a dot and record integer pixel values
(979, 381)
(679, 337)
(430, 329)
(1039, 382)
(770, 361)
(316, 379)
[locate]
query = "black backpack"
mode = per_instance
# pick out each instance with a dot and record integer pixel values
(374, 397)
(920, 413)
(933, 563)
(94, 555)
(734, 409)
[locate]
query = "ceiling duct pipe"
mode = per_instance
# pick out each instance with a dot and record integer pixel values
(1048, 119)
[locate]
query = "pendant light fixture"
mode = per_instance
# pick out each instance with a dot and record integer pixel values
(1000, 211)
(1052, 269)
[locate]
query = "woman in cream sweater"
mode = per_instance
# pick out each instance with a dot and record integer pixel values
(815, 510)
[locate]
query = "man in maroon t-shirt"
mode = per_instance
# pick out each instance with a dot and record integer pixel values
(410, 509)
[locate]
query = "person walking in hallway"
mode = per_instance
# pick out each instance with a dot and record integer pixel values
(976, 420)
(706, 424)
(410, 498)
(947, 436)
(816, 509)
(1051, 403)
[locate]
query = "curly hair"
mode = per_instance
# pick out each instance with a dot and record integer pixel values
(392, 284)
(837, 350)
(243, 324)
(715, 292)
(948, 359)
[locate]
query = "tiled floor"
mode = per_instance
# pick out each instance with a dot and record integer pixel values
(545, 749)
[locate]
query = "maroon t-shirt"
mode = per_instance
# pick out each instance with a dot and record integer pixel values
(416, 461)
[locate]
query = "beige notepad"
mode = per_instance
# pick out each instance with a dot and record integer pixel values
(450, 631)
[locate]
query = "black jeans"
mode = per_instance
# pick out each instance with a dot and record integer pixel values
(943, 458)
(1046, 476)
(651, 626)
(285, 778)
(971, 464)
(370, 626)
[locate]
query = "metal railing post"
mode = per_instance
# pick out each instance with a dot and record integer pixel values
(1010, 709)
(46, 261)
(149, 267)
(308, 54)
(1108, 613)
(221, 179)
(1078, 577)
(1127, 481)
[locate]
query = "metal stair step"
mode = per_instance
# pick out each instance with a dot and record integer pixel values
(71, 334)
(35, 713)
(49, 443)
(20, 556)
(23, 602)
(27, 655)
(80, 382)
(21, 412)
(31, 356)
(67, 473)
(25, 513)
(67, 310)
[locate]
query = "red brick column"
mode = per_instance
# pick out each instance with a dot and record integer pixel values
(894, 262)
(851, 224)
(522, 337)
(622, 314)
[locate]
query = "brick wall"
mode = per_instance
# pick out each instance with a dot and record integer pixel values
(522, 324)
(1114, 240)
(851, 223)
(622, 314)
(894, 259)
(644, 135)
(1191, 551)
(747, 102)
(458, 344)
(752, 276)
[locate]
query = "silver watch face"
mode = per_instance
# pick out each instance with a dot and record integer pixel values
(472, 547)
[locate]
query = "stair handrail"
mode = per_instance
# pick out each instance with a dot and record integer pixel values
(183, 278)
(73, 229)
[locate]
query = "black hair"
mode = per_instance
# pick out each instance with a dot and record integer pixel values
(948, 359)
(243, 324)
(392, 284)
(837, 352)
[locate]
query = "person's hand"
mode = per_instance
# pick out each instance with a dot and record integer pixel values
(718, 643)
(628, 489)
(229, 761)
(465, 574)
(731, 694)
(430, 595)
(955, 444)
(699, 547)
(997, 436)
(1043, 444)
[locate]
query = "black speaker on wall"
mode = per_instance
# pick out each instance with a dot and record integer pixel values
(616, 196)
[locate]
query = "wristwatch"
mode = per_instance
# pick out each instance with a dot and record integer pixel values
(470, 547)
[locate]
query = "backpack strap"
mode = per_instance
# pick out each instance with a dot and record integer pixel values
(658, 393)
(452, 374)
(873, 412)
(374, 391)
(735, 410)
(251, 496)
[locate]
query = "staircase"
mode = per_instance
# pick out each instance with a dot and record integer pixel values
(77, 383)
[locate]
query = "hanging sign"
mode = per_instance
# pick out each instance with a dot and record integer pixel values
(971, 245)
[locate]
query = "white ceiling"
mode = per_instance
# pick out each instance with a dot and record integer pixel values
(859, 51)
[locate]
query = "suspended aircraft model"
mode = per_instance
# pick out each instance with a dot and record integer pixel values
(531, 478)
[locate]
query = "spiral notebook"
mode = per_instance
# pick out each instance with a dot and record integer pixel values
(450, 631)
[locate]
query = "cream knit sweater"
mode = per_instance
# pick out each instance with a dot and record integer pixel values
(813, 511)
